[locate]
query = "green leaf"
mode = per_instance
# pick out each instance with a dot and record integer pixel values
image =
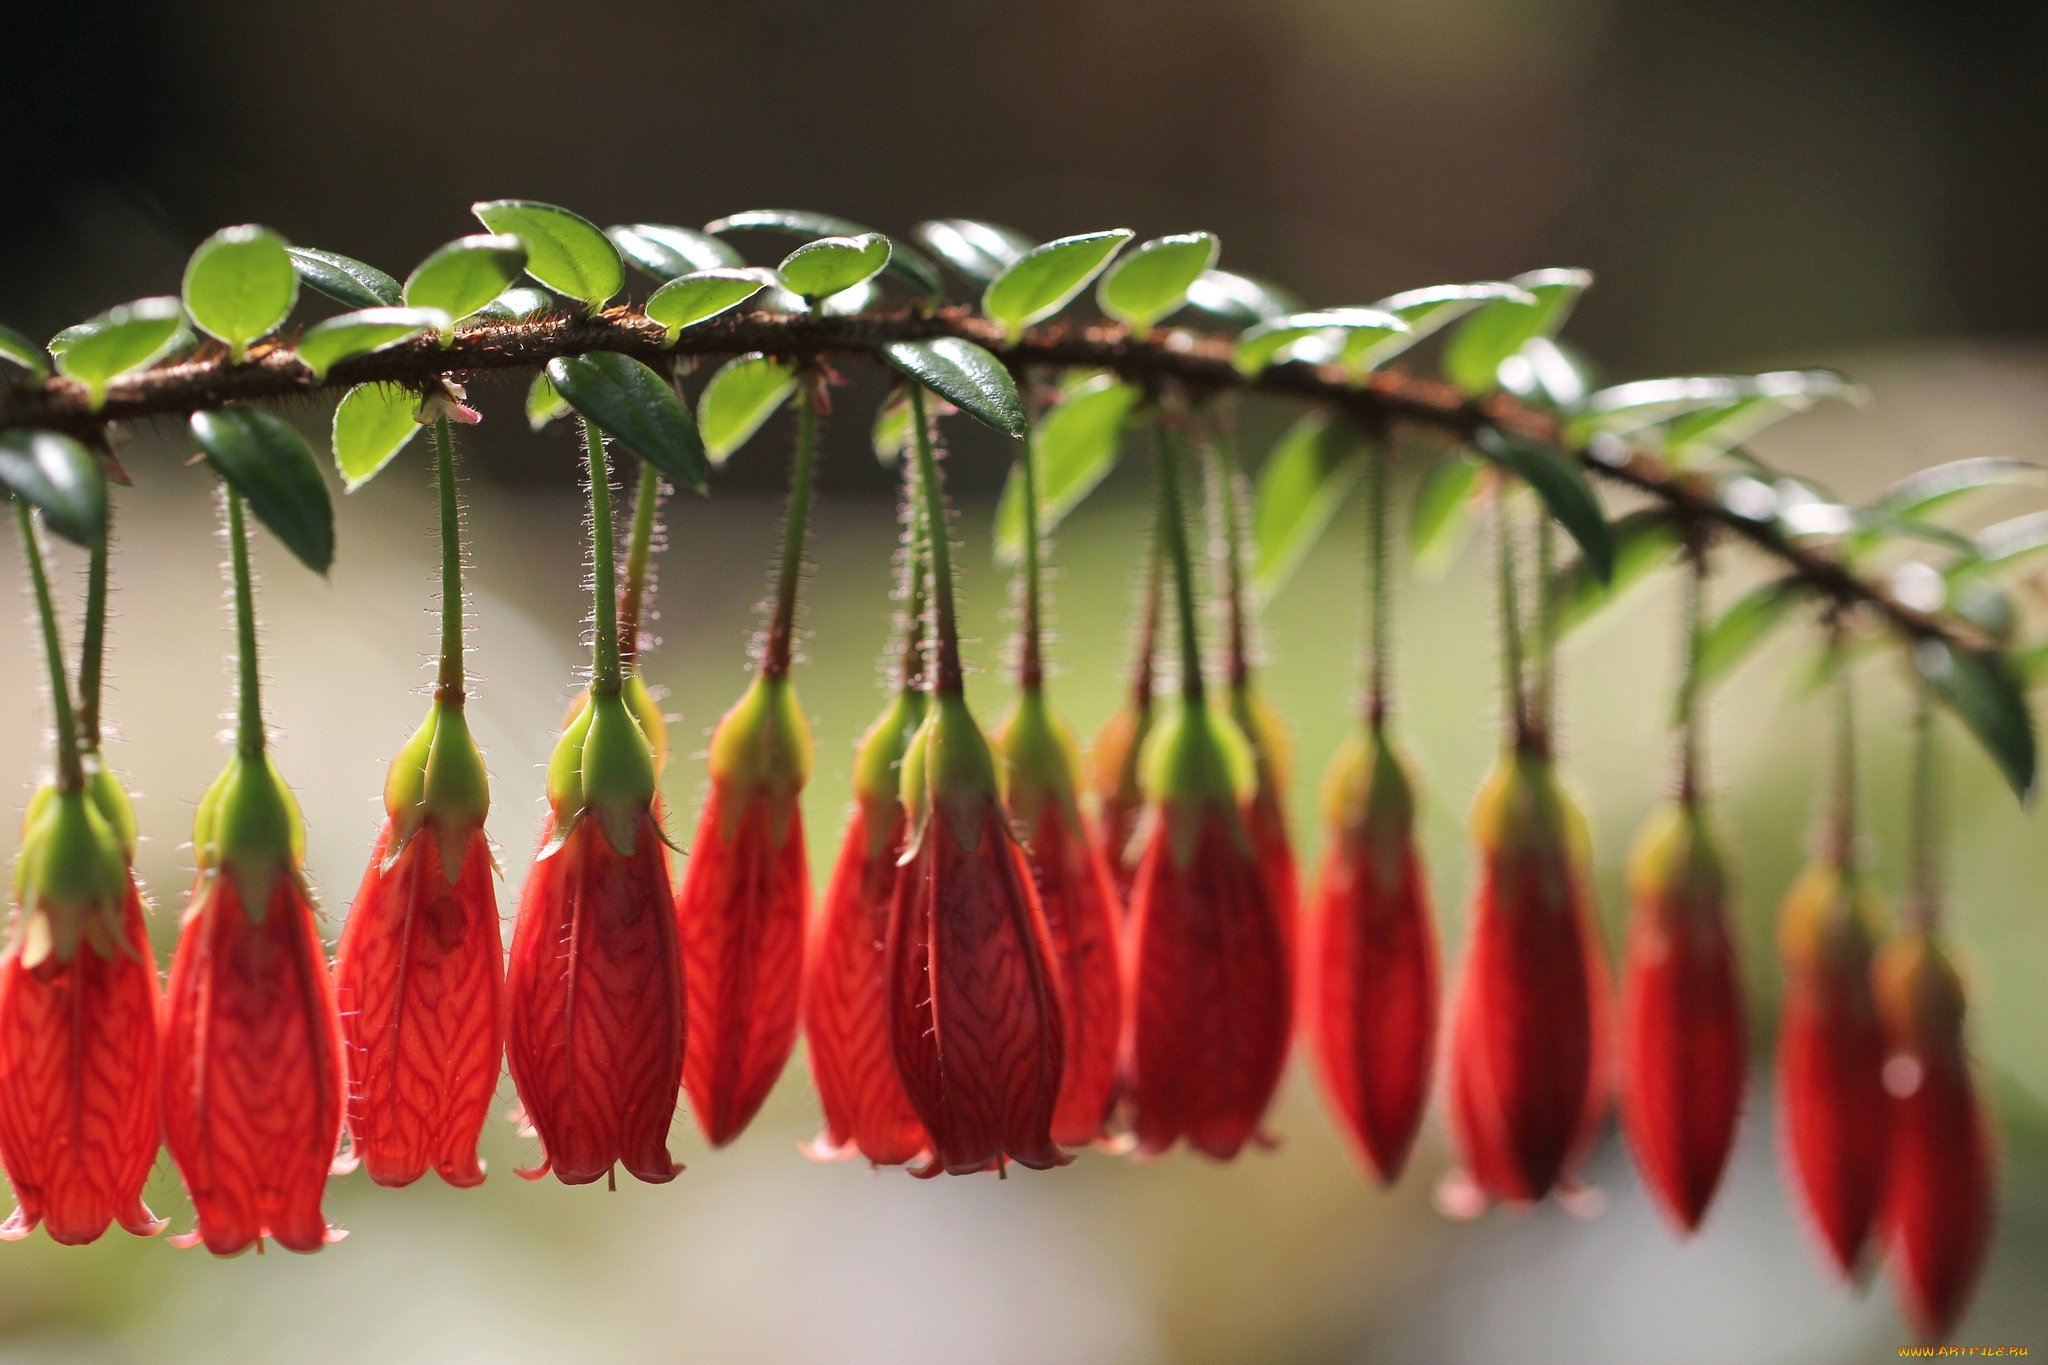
(1473, 355)
(904, 264)
(1987, 693)
(372, 424)
(743, 393)
(1239, 300)
(1941, 487)
(1562, 485)
(1548, 374)
(1303, 483)
(273, 469)
(662, 252)
(1259, 345)
(353, 334)
(1428, 310)
(636, 406)
(1770, 398)
(124, 338)
(1643, 541)
(892, 432)
(832, 265)
(1047, 278)
(240, 284)
(1074, 448)
(564, 251)
(1154, 280)
(1736, 633)
(690, 299)
(1442, 516)
(59, 477)
(2010, 543)
(544, 402)
(466, 274)
(344, 279)
(517, 304)
(964, 375)
(23, 352)
(980, 251)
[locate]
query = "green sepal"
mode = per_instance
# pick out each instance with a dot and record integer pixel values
(1523, 819)
(1368, 797)
(878, 764)
(1041, 764)
(1258, 720)
(958, 771)
(248, 826)
(112, 800)
(617, 771)
(438, 782)
(70, 881)
(1676, 864)
(762, 747)
(565, 773)
(1197, 762)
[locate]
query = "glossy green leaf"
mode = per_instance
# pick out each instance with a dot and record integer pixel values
(544, 402)
(690, 299)
(1941, 487)
(1549, 374)
(273, 468)
(1987, 693)
(904, 263)
(742, 394)
(372, 329)
(1644, 541)
(1977, 597)
(1496, 331)
(345, 279)
(1562, 485)
(964, 375)
(1239, 300)
(1442, 517)
(2011, 543)
(892, 431)
(1154, 280)
(564, 251)
(1704, 434)
(466, 274)
(124, 338)
(1260, 345)
(1073, 448)
(25, 353)
(1428, 310)
(830, 265)
(662, 252)
(1736, 632)
(371, 425)
(517, 304)
(1303, 483)
(1047, 278)
(980, 251)
(59, 477)
(239, 285)
(638, 407)
(862, 296)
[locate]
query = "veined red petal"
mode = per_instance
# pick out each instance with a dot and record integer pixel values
(594, 1015)
(1370, 992)
(418, 976)
(78, 1087)
(746, 889)
(976, 1021)
(846, 1024)
(252, 1067)
(1210, 988)
(1080, 903)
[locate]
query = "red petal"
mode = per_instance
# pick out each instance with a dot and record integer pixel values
(741, 913)
(78, 1087)
(975, 1010)
(252, 1069)
(1831, 1096)
(594, 1005)
(1210, 990)
(1079, 898)
(1370, 995)
(418, 978)
(846, 1027)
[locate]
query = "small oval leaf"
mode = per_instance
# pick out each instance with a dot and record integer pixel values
(1429, 309)
(25, 353)
(690, 299)
(516, 304)
(59, 477)
(1303, 483)
(964, 375)
(240, 284)
(980, 251)
(1260, 345)
(904, 264)
(564, 251)
(372, 329)
(891, 434)
(345, 279)
(1153, 280)
(663, 252)
(372, 424)
(1239, 300)
(1987, 693)
(638, 407)
(742, 394)
(544, 402)
(832, 265)
(466, 274)
(1473, 355)
(1074, 446)
(273, 468)
(124, 338)
(1562, 485)
(1736, 632)
(1047, 278)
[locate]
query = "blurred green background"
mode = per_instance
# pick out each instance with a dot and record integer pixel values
(1809, 183)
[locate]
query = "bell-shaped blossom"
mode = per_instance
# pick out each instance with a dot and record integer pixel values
(1265, 817)
(746, 890)
(1370, 977)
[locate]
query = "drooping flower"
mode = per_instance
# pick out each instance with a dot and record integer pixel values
(1683, 1048)
(1527, 1081)
(1370, 976)
(1831, 1051)
(1265, 816)
(1113, 766)
(420, 968)
(746, 890)
(1938, 1200)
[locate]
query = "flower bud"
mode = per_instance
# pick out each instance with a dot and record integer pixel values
(646, 710)
(603, 766)
(70, 881)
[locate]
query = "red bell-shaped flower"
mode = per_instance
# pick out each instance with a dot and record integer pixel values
(1831, 1057)
(1938, 1199)
(1527, 1079)
(1683, 1051)
(976, 1021)
(1210, 981)
(746, 890)
(594, 1016)
(420, 968)
(1370, 978)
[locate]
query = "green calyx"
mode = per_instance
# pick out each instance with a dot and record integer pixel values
(762, 749)
(1533, 832)
(249, 826)
(1831, 920)
(950, 770)
(1368, 797)
(1676, 864)
(646, 712)
(1041, 764)
(70, 880)
(603, 766)
(878, 765)
(438, 782)
(112, 800)
(1196, 764)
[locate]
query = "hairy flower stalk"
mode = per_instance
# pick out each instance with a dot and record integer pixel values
(594, 1001)
(747, 886)
(1209, 976)
(420, 969)
(846, 980)
(1041, 778)
(976, 1010)
(1113, 757)
(1684, 1050)
(78, 985)
(1369, 981)
(252, 1055)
